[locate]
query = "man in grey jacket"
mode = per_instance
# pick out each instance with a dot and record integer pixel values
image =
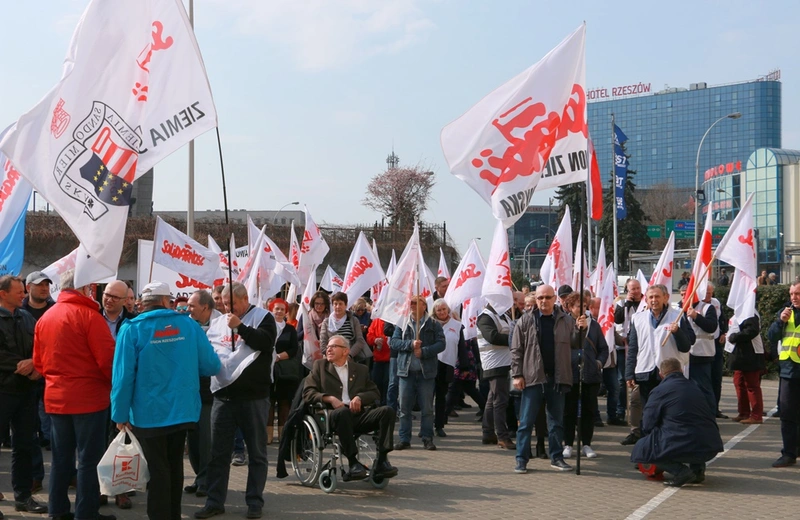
(541, 367)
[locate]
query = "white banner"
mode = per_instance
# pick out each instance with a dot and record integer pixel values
(133, 90)
(180, 285)
(496, 288)
(363, 270)
(467, 280)
(180, 253)
(557, 266)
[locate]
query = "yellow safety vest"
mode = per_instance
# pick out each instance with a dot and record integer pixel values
(790, 341)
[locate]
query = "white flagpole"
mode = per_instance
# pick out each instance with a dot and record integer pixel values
(614, 189)
(190, 207)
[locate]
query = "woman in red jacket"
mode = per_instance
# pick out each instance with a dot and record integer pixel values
(380, 356)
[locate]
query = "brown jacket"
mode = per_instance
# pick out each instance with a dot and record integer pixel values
(526, 358)
(323, 380)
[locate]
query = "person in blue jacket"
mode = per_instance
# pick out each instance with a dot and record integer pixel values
(159, 359)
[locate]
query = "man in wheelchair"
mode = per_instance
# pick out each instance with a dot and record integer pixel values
(344, 386)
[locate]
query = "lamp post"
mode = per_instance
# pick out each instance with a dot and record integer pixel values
(735, 202)
(275, 216)
(525, 255)
(735, 115)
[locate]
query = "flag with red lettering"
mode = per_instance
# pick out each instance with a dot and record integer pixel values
(557, 266)
(403, 284)
(698, 283)
(375, 291)
(183, 254)
(427, 282)
(467, 280)
(443, 270)
(531, 130)
(580, 258)
(14, 197)
(133, 90)
(331, 281)
(598, 276)
(311, 351)
(59, 267)
(313, 247)
(279, 264)
(294, 250)
(663, 271)
(607, 298)
(594, 189)
(363, 270)
(496, 289)
(470, 310)
(738, 248)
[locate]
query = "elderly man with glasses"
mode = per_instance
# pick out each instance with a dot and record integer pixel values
(541, 368)
(347, 388)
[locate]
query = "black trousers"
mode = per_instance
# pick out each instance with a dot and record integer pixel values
(443, 379)
(19, 412)
(164, 455)
(790, 416)
(348, 425)
(588, 400)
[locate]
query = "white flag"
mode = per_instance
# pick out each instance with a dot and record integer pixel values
(598, 277)
(426, 281)
(313, 247)
(580, 258)
(532, 127)
(331, 281)
(363, 270)
(308, 293)
(469, 316)
(375, 291)
(133, 90)
(14, 195)
(497, 282)
(663, 272)
(557, 266)
(467, 280)
(392, 265)
(738, 249)
(183, 254)
(294, 250)
(606, 317)
(443, 270)
(57, 268)
(396, 299)
(311, 351)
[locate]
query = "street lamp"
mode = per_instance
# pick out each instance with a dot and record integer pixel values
(275, 216)
(735, 201)
(525, 255)
(735, 115)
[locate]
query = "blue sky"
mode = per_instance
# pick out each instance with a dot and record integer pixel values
(312, 94)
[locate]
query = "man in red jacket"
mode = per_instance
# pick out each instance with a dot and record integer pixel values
(74, 351)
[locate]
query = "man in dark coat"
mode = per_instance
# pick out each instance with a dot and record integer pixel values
(678, 428)
(344, 385)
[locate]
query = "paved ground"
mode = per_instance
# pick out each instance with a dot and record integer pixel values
(465, 479)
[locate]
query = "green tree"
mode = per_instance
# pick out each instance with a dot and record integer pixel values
(632, 231)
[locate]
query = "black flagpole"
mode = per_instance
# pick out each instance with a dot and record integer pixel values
(580, 347)
(231, 254)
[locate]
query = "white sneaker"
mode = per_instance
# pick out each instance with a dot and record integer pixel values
(589, 452)
(567, 452)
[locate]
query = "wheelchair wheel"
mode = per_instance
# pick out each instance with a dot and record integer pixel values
(307, 452)
(378, 483)
(328, 481)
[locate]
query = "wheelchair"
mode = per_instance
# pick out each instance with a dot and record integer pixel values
(308, 458)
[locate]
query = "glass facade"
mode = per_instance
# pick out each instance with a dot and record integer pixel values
(534, 229)
(664, 129)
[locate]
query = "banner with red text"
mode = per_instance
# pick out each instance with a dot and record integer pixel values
(363, 270)
(467, 280)
(180, 253)
(180, 284)
(529, 131)
(331, 281)
(496, 289)
(557, 266)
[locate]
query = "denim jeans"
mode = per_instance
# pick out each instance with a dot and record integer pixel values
(380, 374)
(415, 388)
(392, 390)
(19, 412)
(251, 417)
(612, 393)
(532, 397)
(700, 374)
(199, 441)
(86, 433)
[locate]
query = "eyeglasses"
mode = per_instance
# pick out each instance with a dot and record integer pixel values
(113, 298)
(545, 297)
(319, 304)
(181, 308)
(337, 345)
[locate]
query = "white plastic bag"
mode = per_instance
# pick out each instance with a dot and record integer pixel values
(123, 467)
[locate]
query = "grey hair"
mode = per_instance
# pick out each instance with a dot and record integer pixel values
(438, 303)
(67, 279)
(669, 366)
(205, 298)
(344, 340)
(239, 290)
(660, 287)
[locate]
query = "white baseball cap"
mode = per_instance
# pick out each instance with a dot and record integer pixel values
(156, 289)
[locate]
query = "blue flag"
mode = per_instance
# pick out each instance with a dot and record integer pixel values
(620, 173)
(12, 248)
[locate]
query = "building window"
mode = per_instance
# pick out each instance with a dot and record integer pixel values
(655, 151)
(669, 165)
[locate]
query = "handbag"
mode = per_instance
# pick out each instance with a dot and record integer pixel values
(288, 370)
(123, 467)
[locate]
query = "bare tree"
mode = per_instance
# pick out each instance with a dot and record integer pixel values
(664, 202)
(401, 194)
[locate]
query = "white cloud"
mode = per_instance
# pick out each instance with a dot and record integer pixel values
(322, 34)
